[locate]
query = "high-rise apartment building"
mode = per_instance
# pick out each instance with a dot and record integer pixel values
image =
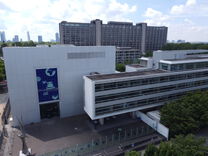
(2, 36)
(16, 38)
(40, 39)
(28, 36)
(120, 34)
(57, 37)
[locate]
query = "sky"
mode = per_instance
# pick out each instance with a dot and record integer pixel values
(185, 19)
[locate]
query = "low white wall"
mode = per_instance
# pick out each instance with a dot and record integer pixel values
(163, 130)
(154, 124)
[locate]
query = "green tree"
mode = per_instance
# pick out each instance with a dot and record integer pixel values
(2, 71)
(151, 150)
(184, 46)
(120, 67)
(3, 44)
(165, 149)
(187, 114)
(148, 54)
(179, 146)
(189, 145)
(133, 153)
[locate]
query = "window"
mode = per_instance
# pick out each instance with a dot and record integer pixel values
(146, 81)
(200, 65)
(189, 66)
(173, 67)
(148, 91)
(163, 66)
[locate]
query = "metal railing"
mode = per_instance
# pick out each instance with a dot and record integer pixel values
(103, 142)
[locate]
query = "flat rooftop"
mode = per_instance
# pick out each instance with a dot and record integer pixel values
(136, 65)
(125, 74)
(188, 58)
(185, 60)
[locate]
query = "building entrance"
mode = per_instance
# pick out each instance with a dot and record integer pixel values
(49, 110)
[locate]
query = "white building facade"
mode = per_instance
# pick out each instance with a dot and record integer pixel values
(45, 82)
(169, 78)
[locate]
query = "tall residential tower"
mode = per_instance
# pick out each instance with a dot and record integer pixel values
(2, 36)
(120, 34)
(28, 36)
(57, 37)
(40, 38)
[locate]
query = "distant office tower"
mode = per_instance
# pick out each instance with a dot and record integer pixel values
(141, 37)
(16, 38)
(57, 37)
(181, 41)
(52, 40)
(2, 36)
(40, 39)
(28, 36)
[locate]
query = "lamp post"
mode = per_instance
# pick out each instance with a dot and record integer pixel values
(25, 151)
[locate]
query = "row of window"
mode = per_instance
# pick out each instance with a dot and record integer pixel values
(185, 66)
(138, 103)
(136, 93)
(188, 66)
(147, 81)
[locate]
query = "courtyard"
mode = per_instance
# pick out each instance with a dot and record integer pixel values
(56, 134)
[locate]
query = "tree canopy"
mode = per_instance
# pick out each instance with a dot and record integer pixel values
(184, 46)
(120, 67)
(180, 146)
(148, 54)
(133, 153)
(2, 71)
(22, 44)
(186, 115)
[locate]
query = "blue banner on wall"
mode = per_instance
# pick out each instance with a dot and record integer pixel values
(47, 83)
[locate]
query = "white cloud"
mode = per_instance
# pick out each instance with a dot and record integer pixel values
(155, 17)
(177, 9)
(41, 17)
(152, 13)
(188, 32)
(188, 21)
(180, 21)
(190, 2)
(183, 8)
(116, 6)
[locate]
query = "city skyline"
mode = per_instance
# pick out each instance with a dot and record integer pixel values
(186, 19)
(17, 38)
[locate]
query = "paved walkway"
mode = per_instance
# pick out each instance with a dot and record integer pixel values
(56, 134)
(8, 141)
(3, 100)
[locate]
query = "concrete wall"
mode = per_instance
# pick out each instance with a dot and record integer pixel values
(21, 65)
(89, 97)
(98, 32)
(161, 129)
(130, 68)
(143, 41)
